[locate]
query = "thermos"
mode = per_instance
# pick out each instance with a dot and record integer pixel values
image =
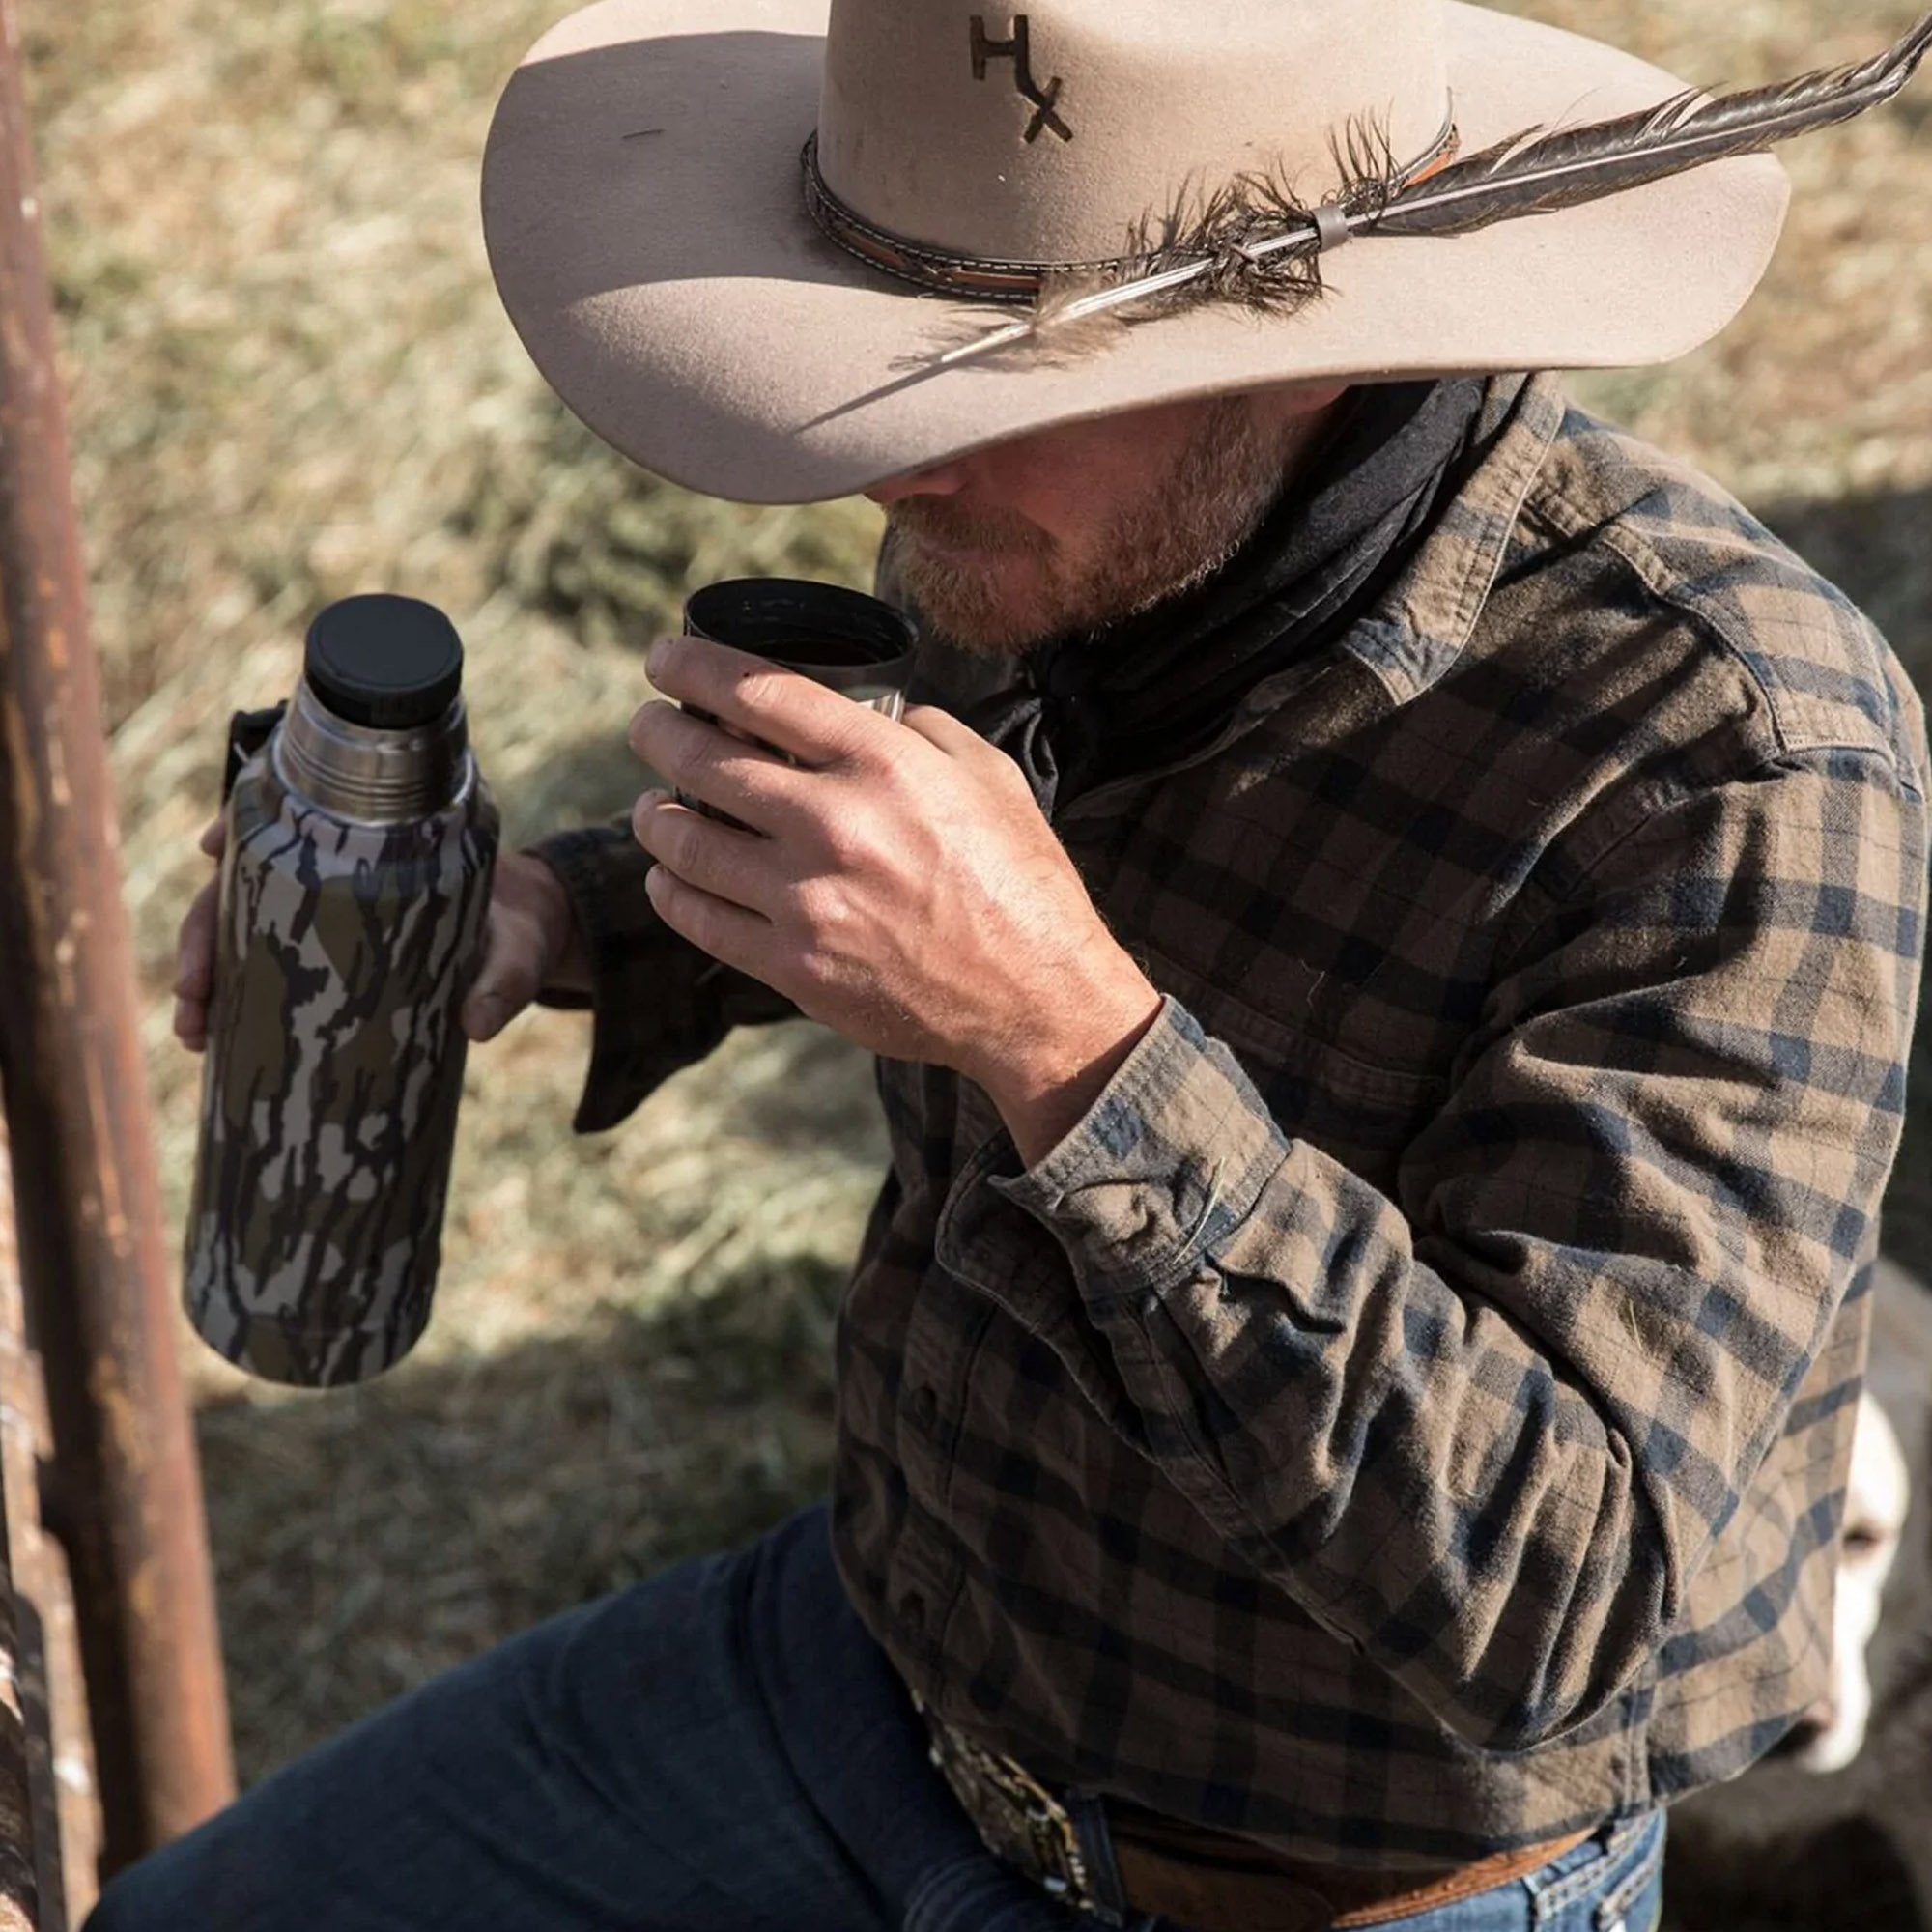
(361, 840)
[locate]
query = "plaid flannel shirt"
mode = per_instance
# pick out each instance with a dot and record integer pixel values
(1409, 1416)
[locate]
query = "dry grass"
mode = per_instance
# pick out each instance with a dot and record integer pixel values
(290, 380)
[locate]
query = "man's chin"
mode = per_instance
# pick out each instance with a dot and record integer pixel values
(985, 603)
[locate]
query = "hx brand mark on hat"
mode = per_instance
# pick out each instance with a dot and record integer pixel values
(1018, 51)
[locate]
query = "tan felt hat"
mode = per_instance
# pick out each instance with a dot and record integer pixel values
(646, 214)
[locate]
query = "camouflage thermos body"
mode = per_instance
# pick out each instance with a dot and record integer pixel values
(361, 840)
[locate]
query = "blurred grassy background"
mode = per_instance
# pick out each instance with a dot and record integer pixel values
(290, 380)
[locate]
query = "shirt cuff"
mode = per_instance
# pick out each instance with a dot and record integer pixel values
(603, 870)
(641, 974)
(1169, 1160)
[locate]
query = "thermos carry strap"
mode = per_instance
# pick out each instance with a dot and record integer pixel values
(247, 732)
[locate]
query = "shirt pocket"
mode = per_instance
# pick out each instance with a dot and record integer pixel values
(1363, 1111)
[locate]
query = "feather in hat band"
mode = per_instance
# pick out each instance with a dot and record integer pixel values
(1254, 243)
(1253, 202)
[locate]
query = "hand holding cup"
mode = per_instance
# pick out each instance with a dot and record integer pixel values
(894, 879)
(842, 639)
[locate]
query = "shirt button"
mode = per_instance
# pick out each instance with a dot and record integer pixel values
(912, 1608)
(924, 1407)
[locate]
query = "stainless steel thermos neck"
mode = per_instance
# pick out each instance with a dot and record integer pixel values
(366, 776)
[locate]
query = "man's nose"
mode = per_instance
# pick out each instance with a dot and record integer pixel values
(943, 479)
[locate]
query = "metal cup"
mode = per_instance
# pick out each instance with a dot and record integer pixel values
(841, 638)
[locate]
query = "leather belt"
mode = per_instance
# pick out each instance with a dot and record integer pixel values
(1204, 1880)
(1182, 1875)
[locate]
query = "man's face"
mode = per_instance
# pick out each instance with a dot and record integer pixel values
(1088, 522)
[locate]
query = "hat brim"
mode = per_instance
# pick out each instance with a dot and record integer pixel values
(645, 224)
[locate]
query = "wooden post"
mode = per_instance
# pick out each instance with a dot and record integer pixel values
(124, 1493)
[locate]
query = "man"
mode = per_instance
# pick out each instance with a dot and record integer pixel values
(1391, 937)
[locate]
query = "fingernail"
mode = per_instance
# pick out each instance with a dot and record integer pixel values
(654, 658)
(642, 811)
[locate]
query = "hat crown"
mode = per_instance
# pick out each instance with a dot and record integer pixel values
(1049, 132)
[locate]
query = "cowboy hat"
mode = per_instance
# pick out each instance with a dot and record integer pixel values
(702, 215)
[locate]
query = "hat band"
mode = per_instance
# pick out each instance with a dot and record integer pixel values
(985, 279)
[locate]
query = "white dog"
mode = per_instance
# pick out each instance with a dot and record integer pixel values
(1834, 1829)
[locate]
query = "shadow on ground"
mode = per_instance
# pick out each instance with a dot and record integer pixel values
(1847, 1878)
(394, 1530)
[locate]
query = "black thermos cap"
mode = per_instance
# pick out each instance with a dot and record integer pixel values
(391, 663)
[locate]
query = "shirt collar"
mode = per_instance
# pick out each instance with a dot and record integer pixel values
(1420, 626)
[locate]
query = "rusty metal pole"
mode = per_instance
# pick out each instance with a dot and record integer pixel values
(124, 1494)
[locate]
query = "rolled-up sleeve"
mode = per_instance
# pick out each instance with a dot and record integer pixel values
(1486, 1427)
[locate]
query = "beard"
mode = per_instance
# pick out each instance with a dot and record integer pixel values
(1227, 478)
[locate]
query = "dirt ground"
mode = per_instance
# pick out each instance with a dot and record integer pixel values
(290, 380)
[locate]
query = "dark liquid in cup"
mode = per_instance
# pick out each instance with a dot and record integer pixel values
(797, 647)
(802, 626)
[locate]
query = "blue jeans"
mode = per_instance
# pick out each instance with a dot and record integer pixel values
(721, 1748)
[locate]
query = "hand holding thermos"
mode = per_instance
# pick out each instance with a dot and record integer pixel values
(356, 859)
(533, 944)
